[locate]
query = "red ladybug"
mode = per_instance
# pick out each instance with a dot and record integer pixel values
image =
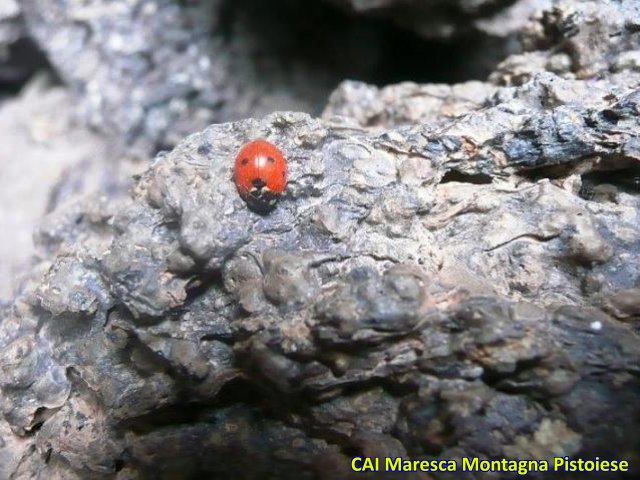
(260, 174)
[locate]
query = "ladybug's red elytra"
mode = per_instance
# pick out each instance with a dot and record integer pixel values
(260, 174)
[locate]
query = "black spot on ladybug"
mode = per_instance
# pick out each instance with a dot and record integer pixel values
(271, 160)
(245, 161)
(258, 183)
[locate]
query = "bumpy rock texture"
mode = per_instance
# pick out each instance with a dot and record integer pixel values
(453, 271)
(147, 73)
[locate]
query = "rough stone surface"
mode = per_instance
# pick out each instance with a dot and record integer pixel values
(35, 137)
(64, 160)
(406, 103)
(147, 73)
(454, 275)
(10, 26)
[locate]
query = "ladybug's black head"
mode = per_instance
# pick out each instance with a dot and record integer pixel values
(258, 183)
(260, 199)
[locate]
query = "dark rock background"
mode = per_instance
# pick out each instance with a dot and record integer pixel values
(454, 269)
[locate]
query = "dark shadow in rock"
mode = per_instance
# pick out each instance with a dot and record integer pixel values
(604, 184)
(310, 47)
(475, 179)
(24, 59)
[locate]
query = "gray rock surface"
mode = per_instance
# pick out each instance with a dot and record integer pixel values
(452, 271)
(406, 103)
(38, 136)
(147, 73)
(48, 158)
(10, 26)
(141, 75)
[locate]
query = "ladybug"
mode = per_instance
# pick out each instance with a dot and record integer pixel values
(260, 174)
